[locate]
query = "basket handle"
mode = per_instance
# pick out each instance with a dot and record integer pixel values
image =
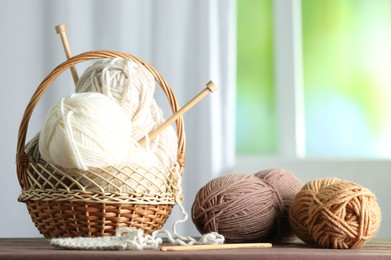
(21, 156)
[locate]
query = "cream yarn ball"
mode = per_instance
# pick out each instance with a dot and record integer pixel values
(132, 86)
(85, 130)
(126, 82)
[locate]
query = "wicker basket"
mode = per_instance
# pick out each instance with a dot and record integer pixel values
(69, 202)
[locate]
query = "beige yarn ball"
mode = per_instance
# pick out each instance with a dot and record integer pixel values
(86, 130)
(126, 82)
(298, 213)
(343, 215)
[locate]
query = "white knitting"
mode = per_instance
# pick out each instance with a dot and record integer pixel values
(131, 239)
(125, 238)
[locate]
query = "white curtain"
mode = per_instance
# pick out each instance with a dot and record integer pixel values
(189, 41)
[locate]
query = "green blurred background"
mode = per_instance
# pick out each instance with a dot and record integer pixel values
(347, 78)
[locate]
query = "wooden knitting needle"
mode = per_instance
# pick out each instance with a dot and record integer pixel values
(216, 247)
(61, 29)
(210, 87)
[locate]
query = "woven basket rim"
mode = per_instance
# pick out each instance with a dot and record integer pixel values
(22, 159)
(96, 197)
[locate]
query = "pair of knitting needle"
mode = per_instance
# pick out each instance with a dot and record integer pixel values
(210, 87)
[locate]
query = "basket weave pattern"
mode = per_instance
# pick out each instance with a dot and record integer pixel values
(70, 202)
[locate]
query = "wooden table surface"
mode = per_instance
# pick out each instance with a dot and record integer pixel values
(39, 248)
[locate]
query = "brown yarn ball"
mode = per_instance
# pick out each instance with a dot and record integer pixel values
(343, 215)
(287, 186)
(240, 207)
(298, 212)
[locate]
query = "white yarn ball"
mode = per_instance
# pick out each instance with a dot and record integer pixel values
(132, 86)
(85, 130)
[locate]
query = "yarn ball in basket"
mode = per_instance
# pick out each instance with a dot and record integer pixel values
(240, 207)
(131, 177)
(32, 148)
(132, 86)
(287, 186)
(343, 215)
(298, 213)
(85, 130)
